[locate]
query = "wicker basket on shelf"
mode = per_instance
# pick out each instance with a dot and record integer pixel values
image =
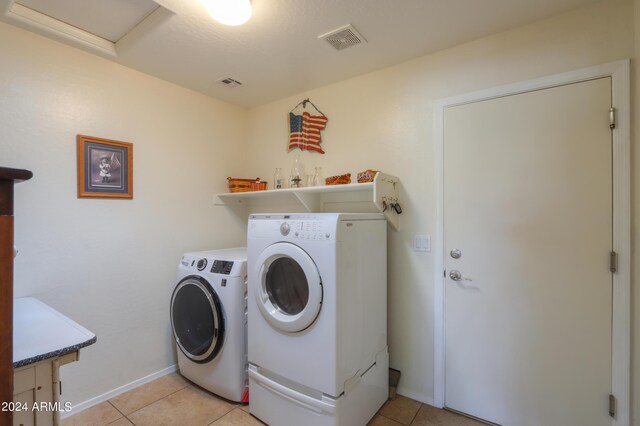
(246, 185)
(339, 179)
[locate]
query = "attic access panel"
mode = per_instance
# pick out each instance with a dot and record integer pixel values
(108, 19)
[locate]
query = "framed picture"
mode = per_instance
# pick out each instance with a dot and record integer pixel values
(105, 168)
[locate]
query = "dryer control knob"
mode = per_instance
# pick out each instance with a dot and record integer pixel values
(284, 228)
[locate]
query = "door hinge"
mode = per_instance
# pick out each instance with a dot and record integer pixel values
(613, 261)
(612, 406)
(612, 118)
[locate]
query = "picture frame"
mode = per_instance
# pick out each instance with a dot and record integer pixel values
(105, 168)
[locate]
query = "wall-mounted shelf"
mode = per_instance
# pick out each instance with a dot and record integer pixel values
(352, 198)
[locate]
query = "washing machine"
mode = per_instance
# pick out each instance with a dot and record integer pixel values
(209, 321)
(317, 318)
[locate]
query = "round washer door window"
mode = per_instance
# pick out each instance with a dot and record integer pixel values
(288, 290)
(197, 319)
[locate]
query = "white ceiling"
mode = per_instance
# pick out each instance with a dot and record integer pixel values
(277, 53)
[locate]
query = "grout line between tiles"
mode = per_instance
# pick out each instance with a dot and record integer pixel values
(397, 421)
(390, 418)
(215, 420)
(152, 402)
(416, 414)
(119, 418)
(123, 415)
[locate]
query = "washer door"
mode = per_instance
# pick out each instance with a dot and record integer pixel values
(197, 319)
(288, 288)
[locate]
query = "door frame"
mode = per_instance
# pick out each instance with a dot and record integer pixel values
(621, 309)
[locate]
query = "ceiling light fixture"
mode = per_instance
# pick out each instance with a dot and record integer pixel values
(229, 12)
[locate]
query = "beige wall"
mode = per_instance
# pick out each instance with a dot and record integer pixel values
(385, 120)
(110, 264)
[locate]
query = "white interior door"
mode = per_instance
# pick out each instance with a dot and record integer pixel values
(528, 204)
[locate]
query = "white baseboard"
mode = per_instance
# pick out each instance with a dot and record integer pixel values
(115, 392)
(416, 396)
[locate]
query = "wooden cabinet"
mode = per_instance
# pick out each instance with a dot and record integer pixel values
(36, 392)
(30, 384)
(44, 340)
(7, 179)
(41, 340)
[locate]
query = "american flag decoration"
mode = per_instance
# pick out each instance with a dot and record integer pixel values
(304, 128)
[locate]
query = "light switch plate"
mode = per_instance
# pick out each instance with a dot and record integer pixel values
(422, 243)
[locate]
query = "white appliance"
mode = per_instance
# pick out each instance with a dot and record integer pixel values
(209, 321)
(317, 318)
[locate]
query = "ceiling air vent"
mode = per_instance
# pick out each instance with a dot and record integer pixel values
(343, 37)
(229, 82)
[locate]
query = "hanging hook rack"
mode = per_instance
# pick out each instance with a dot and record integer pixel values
(304, 105)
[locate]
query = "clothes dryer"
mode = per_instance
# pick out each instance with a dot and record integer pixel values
(317, 318)
(209, 321)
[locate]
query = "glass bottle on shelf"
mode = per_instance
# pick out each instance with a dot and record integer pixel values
(296, 180)
(278, 180)
(317, 177)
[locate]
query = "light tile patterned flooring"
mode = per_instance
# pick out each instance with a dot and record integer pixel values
(173, 401)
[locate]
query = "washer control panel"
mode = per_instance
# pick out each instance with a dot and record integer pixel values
(212, 265)
(310, 230)
(321, 227)
(222, 267)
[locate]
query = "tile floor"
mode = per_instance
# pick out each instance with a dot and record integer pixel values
(172, 400)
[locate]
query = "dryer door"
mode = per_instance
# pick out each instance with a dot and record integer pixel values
(288, 288)
(197, 319)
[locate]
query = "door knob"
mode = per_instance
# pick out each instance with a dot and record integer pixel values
(457, 276)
